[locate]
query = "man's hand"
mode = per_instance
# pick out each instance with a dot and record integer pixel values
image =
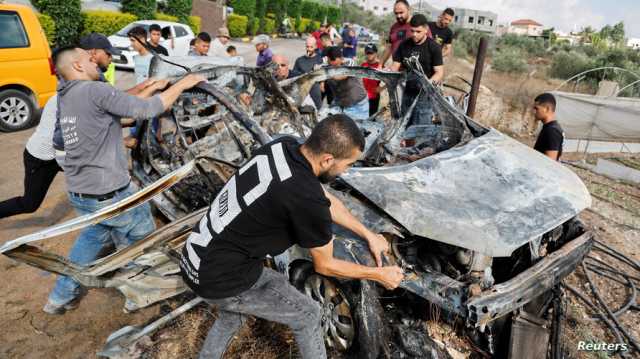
(191, 80)
(160, 84)
(390, 277)
(377, 245)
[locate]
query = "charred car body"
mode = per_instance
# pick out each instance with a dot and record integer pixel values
(483, 226)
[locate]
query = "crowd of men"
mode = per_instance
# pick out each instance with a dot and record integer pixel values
(80, 133)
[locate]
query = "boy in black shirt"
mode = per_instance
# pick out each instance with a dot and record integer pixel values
(155, 34)
(441, 32)
(430, 57)
(273, 202)
(551, 136)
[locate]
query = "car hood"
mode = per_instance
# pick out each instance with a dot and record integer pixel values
(492, 194)
(119, 41)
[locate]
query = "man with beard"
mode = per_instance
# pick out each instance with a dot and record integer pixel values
(308, 63)
(429, 55)
(400, 30)
(441, 32)
(275, 201)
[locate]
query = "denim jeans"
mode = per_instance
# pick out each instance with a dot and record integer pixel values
(123, 230)
(271, 298)
(423, 112)
(359, 111)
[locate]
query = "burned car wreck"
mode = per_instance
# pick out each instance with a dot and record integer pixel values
(483, 226)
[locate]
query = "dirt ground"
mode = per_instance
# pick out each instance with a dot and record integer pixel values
(30, 333)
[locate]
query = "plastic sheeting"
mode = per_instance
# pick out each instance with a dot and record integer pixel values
(597, 118)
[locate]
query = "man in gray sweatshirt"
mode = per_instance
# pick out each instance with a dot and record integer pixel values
(95, 165)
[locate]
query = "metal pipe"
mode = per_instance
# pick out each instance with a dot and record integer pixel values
(477, 76)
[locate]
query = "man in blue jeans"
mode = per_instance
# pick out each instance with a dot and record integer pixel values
(95, 163)
(429, 56)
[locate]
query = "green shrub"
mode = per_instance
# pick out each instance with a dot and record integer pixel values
(180, 9)
(293, 8)
(471, 40)
(105, 22)
(565, 64)
(510, 59)
(269, 26)
(321, 12)
(68, 19)
(164, 17)
(142, 9)
(303, 24)
(313, 26)
(253, 26)
(309, 9)
(195, 23)
(532, 46)
(237, 25)
(49, 27)
(333, 15)
(460, 49)
(244, 7)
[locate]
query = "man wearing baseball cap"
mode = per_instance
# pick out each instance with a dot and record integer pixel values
(372, 86)
(264, 52)
(100, 50)
(219, 44)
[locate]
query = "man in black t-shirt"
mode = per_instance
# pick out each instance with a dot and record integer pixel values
(429, 55)
(273, 202)
(551, 136)
(155, 34)
(441, 32)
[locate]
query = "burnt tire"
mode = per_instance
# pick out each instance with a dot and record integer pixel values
(17, 111)
(365, 314)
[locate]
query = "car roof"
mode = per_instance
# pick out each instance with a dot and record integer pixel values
(159, 22)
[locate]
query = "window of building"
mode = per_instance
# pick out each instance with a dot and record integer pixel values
(471, 19)
(375, 8)
(455, 19)
(384, 9)
(480, 20)
(490, 22)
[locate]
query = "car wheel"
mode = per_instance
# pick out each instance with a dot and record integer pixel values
(17, 111)
(352, 317)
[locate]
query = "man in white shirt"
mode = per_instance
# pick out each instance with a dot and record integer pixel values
(218, 46)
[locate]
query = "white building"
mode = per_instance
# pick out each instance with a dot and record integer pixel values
(526, 27)
(570, 38)
(378, 7)
(633, 43)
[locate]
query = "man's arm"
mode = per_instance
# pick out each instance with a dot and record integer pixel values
(552, 154)
(341, 215)
(386, 54)
(324, 263)
(438, 74)
(446, 50)
(395, 66)
(124, 105)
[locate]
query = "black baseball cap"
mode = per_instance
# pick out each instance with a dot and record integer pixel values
(371, 49)
(98, 41)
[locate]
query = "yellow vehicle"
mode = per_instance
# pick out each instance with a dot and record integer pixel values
(27, 74)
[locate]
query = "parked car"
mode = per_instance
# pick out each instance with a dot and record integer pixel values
(27, 74)
(483, 226)
(175, 37)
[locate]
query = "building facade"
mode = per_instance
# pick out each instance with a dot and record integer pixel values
(378, 7)
(634, 43)
(485, 21)
(526, 27)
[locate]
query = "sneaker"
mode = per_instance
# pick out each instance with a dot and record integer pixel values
(55, 309)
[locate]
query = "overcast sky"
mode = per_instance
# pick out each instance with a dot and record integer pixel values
(565, 15)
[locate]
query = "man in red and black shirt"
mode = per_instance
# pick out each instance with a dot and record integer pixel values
(400, 30)
(318, 33)
(372, 86)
